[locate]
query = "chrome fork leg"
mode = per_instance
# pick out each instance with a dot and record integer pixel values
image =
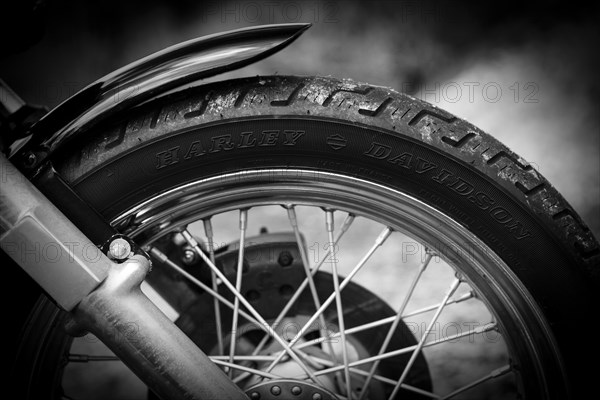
(124, 319)
(103, 297)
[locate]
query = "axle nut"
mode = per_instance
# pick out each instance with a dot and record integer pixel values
(119, 249)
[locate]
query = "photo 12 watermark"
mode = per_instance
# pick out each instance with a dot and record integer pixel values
(473, 91)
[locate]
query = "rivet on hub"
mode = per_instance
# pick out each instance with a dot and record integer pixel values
(255, 396)
(317, 396)
(296, 390)
(276, 390)
(285, 259)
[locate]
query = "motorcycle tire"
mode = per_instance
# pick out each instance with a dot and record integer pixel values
(367, 133)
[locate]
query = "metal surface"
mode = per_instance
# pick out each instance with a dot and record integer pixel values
(125, 320)
(38, 237)
(153, 75)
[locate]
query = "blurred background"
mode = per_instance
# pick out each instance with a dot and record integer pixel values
(525, 72)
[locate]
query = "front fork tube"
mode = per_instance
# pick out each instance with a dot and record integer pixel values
(102, 296)
(122, 317)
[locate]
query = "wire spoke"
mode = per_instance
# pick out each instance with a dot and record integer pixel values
(416, 352)
(396, 321)
(291, 211)
(492, 375)
(383, 321)
(241, 377)
(378, 242)
(243, 358)
(208, 231)
(380, 378)
(286, 347)
(83, 358)
(243, 220)
(404, 350)
(329, 223)
(345, 226)
(464, 297)
(393, 382)
(156, 253)
(248, 370)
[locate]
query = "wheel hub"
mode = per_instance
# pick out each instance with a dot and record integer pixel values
(289, 389)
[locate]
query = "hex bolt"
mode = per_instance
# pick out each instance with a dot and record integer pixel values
(119, 249)
(296, 390)
(275, 390)
(30, 159)
(189, 257)
(317, 396)
(285, 259)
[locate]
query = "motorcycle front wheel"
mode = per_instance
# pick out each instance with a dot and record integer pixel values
(447, 267)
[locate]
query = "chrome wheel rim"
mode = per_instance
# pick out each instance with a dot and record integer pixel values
(474, 263)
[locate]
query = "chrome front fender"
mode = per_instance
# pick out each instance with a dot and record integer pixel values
(146, 78)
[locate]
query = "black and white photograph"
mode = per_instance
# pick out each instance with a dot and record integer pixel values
(300, 200)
